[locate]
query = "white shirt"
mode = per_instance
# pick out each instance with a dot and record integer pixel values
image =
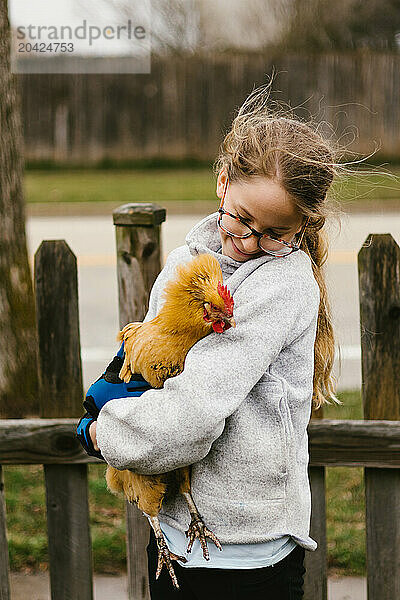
(232, 556)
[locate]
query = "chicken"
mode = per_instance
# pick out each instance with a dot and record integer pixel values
(196, 303)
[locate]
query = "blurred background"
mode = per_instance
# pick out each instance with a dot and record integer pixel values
(95, 141)
(92, 142)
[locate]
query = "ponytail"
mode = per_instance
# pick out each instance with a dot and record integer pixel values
(315, 244)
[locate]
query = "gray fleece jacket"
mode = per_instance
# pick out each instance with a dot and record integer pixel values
(239, 410)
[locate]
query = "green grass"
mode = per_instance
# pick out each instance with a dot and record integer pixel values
(26, 513)
(27, 528)
(185, 184)
(345, 502)
(158, 185)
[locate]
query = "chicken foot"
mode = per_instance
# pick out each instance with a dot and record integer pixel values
(164, 554)
(198, 529)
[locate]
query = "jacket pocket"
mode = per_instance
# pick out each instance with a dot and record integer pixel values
(287, 425)
(250, 458)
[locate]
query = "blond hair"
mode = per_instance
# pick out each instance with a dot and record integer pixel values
(269, 143)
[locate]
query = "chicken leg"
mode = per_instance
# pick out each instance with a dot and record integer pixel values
(164, 553)
(197, 527)
(147, 493)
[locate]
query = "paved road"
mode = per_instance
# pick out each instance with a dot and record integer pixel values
(37, 587)
(92, 239)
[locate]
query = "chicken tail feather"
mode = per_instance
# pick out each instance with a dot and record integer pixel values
(114, 480)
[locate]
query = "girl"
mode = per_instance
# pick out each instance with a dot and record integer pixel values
(239, 411)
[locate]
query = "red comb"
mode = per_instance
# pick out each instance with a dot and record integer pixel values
(226, 296)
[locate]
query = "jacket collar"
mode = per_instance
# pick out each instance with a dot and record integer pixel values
(204, 237)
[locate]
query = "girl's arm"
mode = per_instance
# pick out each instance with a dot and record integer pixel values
(97, 395)
(102, 391)
(168, 428)
(83, 433)
(107, 387)
(92, 433)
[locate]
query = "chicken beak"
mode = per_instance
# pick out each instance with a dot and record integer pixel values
(231, 322)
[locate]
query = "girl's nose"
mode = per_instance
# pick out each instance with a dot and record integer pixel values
(248, 245)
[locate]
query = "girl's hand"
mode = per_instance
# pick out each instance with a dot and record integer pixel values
(92, 433)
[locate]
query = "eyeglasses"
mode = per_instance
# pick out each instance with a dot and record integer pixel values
(236, 227)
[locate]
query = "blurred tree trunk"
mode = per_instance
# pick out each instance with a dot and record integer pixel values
(18, 337)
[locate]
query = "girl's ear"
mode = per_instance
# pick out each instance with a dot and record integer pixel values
(221, 180)
(303, 223)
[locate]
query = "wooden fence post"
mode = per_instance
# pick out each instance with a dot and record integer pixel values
(315, 579)
(61, 395)
(138, 240)
(379, 284)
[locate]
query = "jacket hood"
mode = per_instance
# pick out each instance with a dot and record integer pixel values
(204, 237)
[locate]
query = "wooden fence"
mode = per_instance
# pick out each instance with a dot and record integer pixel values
(373, 443)
(183, 107)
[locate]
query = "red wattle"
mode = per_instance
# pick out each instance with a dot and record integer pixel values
(218, 326)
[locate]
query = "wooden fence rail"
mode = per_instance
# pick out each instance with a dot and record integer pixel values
(332, 443)
(373, 443)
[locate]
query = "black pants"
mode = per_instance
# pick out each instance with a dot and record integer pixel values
(283, 581)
